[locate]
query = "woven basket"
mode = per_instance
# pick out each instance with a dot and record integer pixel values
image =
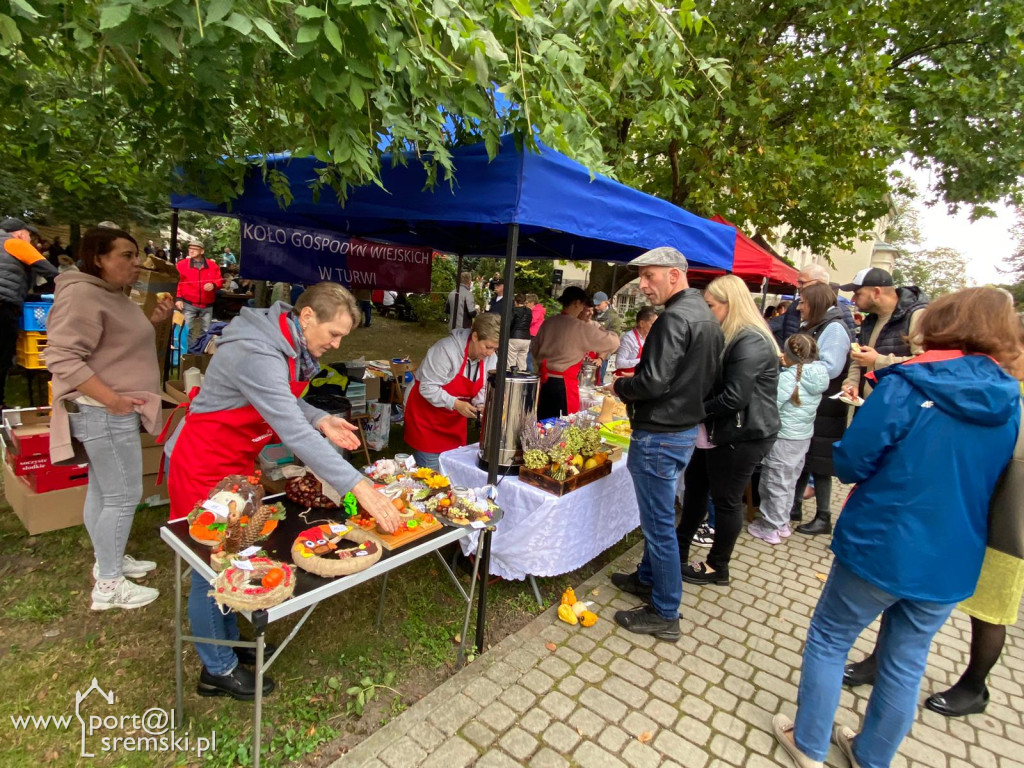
(331, 565)
(241, 590)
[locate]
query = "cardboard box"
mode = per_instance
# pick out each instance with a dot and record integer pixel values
(151, 458)
(42, 512)
(175, 390)
(170, 413)
(202, 362)
(28, 430)
(157, 276)
(372, 387)
(398, 370)
(154, 495)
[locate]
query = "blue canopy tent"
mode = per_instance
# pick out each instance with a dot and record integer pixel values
(534, 204)
(562, 211)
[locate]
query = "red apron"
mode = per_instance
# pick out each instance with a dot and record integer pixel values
(571, 377)
(213, 445)
(430, 429)
(640, 343)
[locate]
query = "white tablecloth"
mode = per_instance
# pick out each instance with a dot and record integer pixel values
(546, 535)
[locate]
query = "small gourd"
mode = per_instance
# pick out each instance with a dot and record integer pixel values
(565, 614)
(588, 618)
(569, 597)
(578, 608)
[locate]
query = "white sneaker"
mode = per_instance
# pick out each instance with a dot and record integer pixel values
(130, 567)
(127, 594)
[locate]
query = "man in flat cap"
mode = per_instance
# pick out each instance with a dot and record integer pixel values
(198, 281)
(665, 401)
(20, 265)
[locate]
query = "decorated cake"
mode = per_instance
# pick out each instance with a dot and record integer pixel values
(233, 518)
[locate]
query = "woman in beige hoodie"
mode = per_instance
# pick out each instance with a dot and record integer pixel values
(106, 383)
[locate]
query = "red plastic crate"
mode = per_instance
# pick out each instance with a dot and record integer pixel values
(26, 465)
(58, 478)
(27, 430)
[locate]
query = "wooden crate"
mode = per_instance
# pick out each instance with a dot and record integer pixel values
(560, 488)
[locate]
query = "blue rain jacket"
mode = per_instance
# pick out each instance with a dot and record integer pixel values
(925, 451)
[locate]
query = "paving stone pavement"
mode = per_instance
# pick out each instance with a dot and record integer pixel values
(605, 698)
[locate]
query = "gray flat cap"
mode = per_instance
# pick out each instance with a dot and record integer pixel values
(665, 256)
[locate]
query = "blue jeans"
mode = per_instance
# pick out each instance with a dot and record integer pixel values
(847, 605)
(198, 321)
(656, 459)
(429, 460)
(206, 620)
(114, 449)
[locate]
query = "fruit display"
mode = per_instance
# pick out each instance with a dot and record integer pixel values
(463, 511)
(563, 451)
(573, 611)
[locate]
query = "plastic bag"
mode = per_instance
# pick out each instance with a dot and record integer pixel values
(378, 429)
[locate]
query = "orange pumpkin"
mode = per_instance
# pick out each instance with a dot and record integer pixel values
(272, 578)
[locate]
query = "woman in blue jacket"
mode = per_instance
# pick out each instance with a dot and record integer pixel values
(925, 451)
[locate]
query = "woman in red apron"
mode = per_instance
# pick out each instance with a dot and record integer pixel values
(632, 345)
(559, 349)
(251, 397)
(448, 389)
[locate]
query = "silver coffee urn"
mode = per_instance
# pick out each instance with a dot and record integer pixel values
(503, 421)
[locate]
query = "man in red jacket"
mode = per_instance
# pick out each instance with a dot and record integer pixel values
(198, 281)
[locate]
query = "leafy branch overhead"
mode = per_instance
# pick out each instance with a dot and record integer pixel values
(152, 86)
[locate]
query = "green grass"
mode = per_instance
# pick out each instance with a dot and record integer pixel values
(52, 645)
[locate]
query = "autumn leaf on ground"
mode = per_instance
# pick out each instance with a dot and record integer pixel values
(821, 576)
(551, 646)
(644, 737)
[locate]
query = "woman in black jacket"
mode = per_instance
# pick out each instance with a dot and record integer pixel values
(519, 334)
(742, 422)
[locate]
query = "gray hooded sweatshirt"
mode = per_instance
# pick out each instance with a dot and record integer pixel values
(251, 368)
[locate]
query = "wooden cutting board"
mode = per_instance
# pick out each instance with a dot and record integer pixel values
(392, 541)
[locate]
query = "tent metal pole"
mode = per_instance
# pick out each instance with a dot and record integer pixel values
(174, 235)
(764, 293)
(484, 553)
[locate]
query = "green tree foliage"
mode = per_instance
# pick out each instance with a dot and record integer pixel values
(823, 98)
(936, 271)
(105, 99)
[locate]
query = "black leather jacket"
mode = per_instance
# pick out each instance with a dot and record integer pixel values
(676, 369)
(521, 319)
(743, 405)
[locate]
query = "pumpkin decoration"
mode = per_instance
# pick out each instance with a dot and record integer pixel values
(588, 618)
(565, 614)
(569, 597)
(578, 608)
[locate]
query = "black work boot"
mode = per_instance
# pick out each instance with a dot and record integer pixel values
(646, 621)
(238, 684)
(630, 582)
(796, 514)
(822, 523)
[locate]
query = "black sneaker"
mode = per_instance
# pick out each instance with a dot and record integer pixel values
(646, 621)
(698, 573)
(247, 656)
(239, 684)
(630, 582)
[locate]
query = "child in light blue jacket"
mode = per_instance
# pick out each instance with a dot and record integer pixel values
(802, 380)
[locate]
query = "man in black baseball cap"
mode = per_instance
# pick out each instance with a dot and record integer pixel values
(891, 316)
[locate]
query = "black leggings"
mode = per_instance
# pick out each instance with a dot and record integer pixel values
(822, 492)
(725, 471)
